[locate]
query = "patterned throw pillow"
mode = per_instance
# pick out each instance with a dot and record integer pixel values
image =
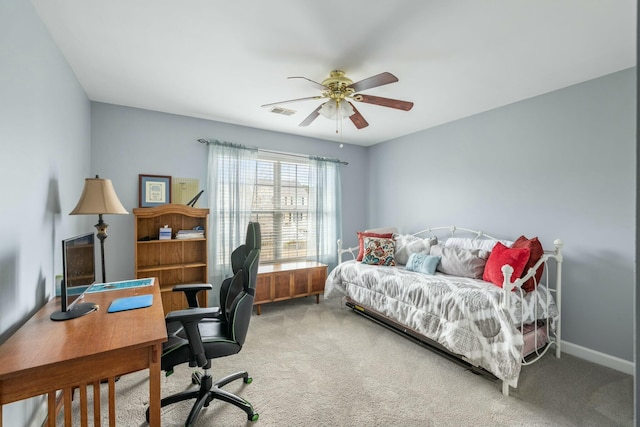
(379, 251)
(362, 235)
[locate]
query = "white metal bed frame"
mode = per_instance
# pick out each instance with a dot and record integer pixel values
(553, 335)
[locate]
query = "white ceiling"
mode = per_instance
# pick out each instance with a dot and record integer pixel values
(221, 60)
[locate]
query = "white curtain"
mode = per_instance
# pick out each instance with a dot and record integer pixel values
(325, 208)
(231, 185)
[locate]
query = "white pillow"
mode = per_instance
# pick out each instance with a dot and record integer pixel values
(407, 244)
(474, 243)
(382, 230)
(461, 262)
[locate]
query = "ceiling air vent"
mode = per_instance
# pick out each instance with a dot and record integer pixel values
(283, 111)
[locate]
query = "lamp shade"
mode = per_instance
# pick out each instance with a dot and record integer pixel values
(98, 197)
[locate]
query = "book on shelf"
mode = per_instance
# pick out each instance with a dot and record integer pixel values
(190, 234)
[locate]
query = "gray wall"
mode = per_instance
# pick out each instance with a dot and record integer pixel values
(44, 157)
(561, 165)
(129, 141)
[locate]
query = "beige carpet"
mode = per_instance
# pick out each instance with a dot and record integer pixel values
(323, 365)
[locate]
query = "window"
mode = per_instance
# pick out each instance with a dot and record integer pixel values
(281, 206)
(296, 200)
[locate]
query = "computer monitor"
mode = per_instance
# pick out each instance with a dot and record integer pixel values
(78, 273)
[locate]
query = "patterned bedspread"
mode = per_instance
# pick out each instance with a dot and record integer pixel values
(464, 315)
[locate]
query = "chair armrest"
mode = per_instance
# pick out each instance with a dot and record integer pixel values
(193, 314)
(191, 290)
(190, 319)
(193, 286)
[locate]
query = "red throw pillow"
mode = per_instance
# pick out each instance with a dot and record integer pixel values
(501, 255)
(362, 235)
(536, 252)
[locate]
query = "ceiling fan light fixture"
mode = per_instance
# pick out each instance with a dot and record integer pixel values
(334, 109)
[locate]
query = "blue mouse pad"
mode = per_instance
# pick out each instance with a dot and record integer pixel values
(130, 303)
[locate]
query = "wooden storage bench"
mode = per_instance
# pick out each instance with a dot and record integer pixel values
(287, 280)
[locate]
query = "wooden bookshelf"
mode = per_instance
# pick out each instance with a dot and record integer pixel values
(175, 261)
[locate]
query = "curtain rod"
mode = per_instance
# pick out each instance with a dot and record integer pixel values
(328, 159)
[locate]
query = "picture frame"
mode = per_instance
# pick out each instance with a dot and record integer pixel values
(154, 190)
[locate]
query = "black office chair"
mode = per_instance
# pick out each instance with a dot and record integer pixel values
(208, 333)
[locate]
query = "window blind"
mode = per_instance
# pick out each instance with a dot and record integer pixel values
(281, 206)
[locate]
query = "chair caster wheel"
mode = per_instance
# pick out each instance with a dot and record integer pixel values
(248, 380)
(253, 417)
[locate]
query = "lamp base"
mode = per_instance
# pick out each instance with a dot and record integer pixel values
(77, 310)
(101, 226)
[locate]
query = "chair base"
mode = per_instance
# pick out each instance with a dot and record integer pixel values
(209, 391)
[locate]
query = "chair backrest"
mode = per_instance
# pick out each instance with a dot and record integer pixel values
(246, 258)
(242, 306)
(253, 240)
(229, 290)
(251, 269)
(254, 247)
(240, 316)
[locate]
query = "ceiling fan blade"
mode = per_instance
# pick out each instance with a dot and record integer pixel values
(291, 100)
(311, 117)
(374, 81)
(357, 118)
(318, 85)
(384, 102)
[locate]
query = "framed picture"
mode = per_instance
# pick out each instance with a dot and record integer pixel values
(155, 190)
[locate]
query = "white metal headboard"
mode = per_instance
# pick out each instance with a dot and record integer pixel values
(426, 232)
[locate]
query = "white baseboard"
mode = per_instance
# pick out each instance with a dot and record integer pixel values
(603, 359)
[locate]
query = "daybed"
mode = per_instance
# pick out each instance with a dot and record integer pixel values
(475, 297)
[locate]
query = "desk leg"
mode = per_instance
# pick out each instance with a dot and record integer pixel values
(154, 385)
(52, 407)
(112, 401)
(84, 410)
(68, 393)
(96, 403)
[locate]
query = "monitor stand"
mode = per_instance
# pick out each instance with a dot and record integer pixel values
(77, 310)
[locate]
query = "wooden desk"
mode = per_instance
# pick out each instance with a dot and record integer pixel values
(44, 356)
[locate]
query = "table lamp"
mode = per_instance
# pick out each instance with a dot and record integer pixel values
(99, 198)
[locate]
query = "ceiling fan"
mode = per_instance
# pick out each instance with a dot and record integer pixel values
(339, 90)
